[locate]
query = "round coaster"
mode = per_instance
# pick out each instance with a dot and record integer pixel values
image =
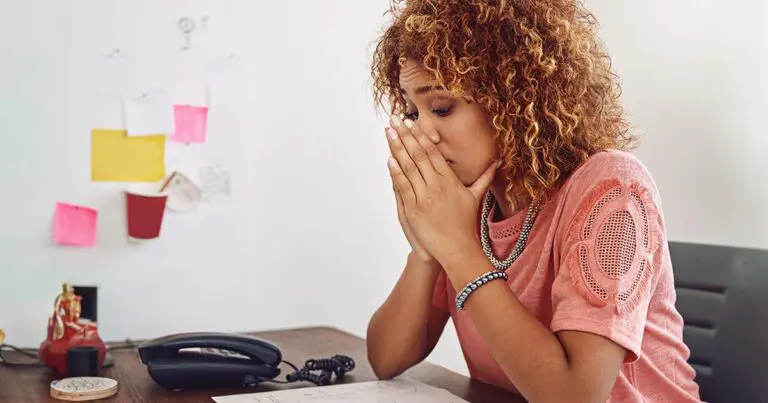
(80, 389)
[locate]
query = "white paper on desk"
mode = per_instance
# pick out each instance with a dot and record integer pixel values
(116, 74)
(226, 82)
(403, 390)
(149, 114)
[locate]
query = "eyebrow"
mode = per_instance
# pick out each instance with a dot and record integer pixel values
(425, 89)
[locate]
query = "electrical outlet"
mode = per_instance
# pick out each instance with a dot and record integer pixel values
(89, 303)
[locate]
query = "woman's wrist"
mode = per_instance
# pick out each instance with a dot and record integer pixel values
(464, 267)
(430, 264)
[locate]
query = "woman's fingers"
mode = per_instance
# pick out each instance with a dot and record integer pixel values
(410, 154)
(398, 197)
(403, 186)
(437, 161)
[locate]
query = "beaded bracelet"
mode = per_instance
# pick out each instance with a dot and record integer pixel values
(461, 298)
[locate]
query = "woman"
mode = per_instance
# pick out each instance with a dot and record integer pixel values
(531, 225)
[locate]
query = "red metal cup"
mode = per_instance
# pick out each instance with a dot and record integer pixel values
(145, 211)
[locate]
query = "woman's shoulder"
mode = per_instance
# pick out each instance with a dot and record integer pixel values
(609, 182)
(616, 166)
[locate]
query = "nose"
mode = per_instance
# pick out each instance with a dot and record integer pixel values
(429, 128)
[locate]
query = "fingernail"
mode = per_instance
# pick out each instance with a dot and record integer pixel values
(498, 163)
(408, 123)
(392, 134)
(391, 162)
(395, 120)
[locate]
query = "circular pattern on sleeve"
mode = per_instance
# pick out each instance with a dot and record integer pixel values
(611, 244)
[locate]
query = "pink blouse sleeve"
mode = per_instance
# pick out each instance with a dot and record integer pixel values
(609, 257)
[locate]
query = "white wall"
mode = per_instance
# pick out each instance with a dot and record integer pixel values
(312, 220)
(201, 273)
(695, 80)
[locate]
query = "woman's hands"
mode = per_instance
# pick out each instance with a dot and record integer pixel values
(439, 211)
(416, 247)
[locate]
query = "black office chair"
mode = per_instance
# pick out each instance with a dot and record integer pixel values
(722, 294)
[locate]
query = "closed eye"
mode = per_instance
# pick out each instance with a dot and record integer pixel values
(442, 112)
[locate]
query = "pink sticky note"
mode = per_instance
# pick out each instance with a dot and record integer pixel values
(191, 123)
(74, 225)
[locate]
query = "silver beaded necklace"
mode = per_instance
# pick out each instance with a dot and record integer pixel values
(485, 238)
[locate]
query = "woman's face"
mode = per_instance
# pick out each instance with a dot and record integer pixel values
(462, 131)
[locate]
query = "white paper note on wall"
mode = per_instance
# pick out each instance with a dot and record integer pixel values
(183, 194)
(215, 180)
(226, 82)
(116, 74)
(393, 391)
(149, 114)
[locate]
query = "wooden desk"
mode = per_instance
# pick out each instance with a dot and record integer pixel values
(31, 383)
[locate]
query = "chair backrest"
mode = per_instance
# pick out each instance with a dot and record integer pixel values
(722, 294)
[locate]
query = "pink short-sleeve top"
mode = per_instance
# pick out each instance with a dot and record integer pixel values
(596, 261)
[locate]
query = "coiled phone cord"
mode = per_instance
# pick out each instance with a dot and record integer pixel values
(337, 365)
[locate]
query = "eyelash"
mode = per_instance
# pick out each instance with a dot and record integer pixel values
(443, 112)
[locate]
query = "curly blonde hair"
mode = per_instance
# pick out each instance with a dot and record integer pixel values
(537, 68)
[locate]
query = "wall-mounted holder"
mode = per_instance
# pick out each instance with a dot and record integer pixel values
(145, 209)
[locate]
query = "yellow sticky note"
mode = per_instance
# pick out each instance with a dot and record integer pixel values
(116, 157)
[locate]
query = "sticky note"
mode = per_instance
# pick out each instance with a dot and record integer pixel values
(116, 74)
(226, 82)
(191, 124)
(117, 157)
(149, 114)
(74, 225)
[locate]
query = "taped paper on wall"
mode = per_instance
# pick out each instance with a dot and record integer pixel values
(215, 180)
(402, 390)
(116, 74)
(191, 124)
(116, 157)
(183, 194)
(74, 225)
(149, 114)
